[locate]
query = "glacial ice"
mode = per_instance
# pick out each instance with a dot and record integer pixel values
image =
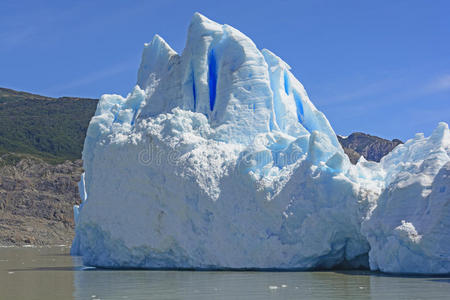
(409, 229)
(218, 159)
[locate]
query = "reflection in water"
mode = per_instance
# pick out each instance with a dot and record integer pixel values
(52, 274)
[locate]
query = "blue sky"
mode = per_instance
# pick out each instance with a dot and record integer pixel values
(381, 67)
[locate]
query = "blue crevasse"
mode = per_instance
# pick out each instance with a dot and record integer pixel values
(212, 79)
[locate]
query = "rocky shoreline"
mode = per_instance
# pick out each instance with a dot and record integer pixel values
(36, 202)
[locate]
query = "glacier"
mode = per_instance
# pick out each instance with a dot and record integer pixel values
(217, 159)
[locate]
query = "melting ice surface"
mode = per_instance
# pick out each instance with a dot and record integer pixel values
(218, 159)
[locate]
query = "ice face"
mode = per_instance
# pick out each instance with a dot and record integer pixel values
(218, 159)
(408, 231)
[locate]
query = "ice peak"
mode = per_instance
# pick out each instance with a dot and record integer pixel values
(441, 133)
(198, 18)
(155, 60)
(201, 25)
(159, 43)
(201, 31)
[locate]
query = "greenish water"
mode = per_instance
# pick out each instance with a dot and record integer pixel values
(50, 273)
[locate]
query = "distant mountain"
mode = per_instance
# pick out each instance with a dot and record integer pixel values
(49, 128)
(371, 147)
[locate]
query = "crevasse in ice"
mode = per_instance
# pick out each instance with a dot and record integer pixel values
(218, 159)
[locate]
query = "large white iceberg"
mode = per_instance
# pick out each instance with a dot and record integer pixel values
(218, 159)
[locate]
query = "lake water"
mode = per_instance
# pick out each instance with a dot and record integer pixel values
(51, 273)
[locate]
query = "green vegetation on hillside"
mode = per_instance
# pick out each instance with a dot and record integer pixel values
(50, 128)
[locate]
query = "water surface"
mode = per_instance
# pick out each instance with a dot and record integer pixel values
(51, 273)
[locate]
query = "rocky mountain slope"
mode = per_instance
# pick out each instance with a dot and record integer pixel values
(36, 202)
(371, 147)
(41, 140)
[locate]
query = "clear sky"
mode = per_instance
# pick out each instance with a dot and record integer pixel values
(381, 67)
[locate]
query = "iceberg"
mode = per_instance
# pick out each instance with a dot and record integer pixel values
(218, 159)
